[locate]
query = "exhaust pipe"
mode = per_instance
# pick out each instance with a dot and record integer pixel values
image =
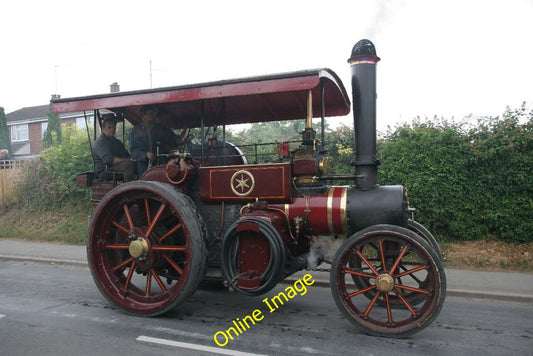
(363, 65)
(369, 203)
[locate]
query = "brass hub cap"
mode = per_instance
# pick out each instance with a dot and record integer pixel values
(384, 282)
(138, 248)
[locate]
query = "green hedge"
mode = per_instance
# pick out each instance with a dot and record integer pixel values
(50, 181)
(466, 184)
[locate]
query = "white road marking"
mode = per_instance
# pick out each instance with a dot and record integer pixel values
(1, 316)
(186, 345)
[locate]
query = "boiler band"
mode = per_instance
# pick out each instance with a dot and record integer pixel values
(325, 213)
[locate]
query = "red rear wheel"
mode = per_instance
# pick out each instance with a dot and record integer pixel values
(146, 247)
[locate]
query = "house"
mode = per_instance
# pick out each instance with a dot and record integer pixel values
(28, 125)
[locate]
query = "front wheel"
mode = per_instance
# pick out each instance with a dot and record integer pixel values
(423, 232)
(393, 260)
(146, 248)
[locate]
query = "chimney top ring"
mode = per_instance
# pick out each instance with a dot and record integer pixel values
(364, 50)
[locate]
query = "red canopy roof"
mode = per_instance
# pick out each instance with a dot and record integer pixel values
(247, 100)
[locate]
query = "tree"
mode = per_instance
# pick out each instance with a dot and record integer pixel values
(5, 142)
(258, 140)
(52, 135)
(340, 147)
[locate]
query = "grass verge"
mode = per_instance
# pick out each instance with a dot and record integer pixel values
(488, 255)
(66, 225)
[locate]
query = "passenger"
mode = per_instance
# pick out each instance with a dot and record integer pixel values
(148, 138)
(109, 153)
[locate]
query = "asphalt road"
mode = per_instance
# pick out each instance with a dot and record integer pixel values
(49, 309)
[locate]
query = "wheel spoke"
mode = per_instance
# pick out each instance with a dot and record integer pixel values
(383, 261)
(169, 248)
(412, 289)
(173, 264)
(159, 282)
(148, 283)
(405, 302)
(147, 209)
(411, 271)
(411, 274)
(170, 232)
(389, 311)
(123, 264)
(372, 303)
(399, 259)
(117, 225)
(156, 218)
(367, 263)
(130, 274)
(128, 215)
(356, 273)
(116, 247)
(351, 295)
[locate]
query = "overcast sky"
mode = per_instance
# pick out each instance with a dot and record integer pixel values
(446, 58)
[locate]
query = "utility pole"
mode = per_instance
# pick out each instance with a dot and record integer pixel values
(150, 74)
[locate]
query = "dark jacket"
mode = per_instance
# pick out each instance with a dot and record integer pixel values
(105, 149)
(142, 141)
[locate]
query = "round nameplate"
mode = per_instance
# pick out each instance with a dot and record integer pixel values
(242, 183)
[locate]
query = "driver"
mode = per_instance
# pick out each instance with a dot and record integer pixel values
(148, 138)
(109, 153)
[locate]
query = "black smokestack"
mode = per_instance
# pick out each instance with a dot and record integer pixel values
(363, 63)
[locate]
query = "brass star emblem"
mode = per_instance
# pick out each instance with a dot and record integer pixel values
(242, 183)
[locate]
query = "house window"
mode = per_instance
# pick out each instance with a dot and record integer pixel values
(44, 126)
(19, 133)
(80, 123)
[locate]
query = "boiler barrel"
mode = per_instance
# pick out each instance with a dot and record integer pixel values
(325, 213)
(345, 210)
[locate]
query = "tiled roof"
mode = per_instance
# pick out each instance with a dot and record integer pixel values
(28, 113)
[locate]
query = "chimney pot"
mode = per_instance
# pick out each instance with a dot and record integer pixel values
(114, 87)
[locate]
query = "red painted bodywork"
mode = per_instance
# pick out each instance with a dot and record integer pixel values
(325, 213)
(307, 166)
(272, 182)
(254, 249)
(254, 253)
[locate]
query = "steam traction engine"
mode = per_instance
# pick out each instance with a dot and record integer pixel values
(205, 213)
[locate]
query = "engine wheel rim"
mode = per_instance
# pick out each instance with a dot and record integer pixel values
(380, 315)
(140, 250)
